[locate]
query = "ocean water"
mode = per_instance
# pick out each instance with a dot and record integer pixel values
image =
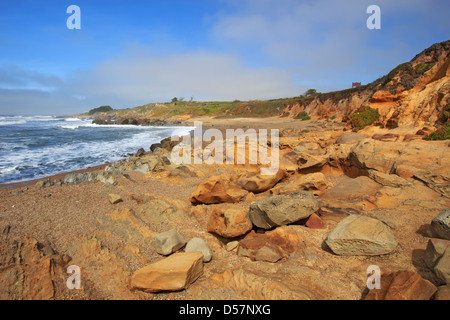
(33, 147)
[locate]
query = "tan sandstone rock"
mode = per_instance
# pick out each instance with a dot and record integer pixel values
(174, 273)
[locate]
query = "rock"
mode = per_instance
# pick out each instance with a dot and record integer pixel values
(385, 179)
(278, 210)
(256, 182)
(270, 246)
(402, 285)
(27, 272)
(387, 137)
(217, 189)
(231, 245)
(435, 180)
(229, 221)
(366, 155)
(361, 235)
(442, 268)
(440, 226)
(434, 251)
(140, 152)
(350, 138)
(315, 222)
(155, 145)
(168, 242)
(314, 182)
(114, 198)
(44, 183)
(350, 189)
(174, 273)
(197, 244)
(258, 247)
(443, 293)
(306, 160)
(76, 178)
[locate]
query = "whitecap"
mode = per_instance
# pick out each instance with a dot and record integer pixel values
(69, 127)
(9, 123)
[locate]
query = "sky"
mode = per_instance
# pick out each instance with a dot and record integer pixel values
(130, 53)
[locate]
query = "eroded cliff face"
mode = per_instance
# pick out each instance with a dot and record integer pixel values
(413, 94)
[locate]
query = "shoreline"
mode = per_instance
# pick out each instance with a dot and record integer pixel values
(60, 176)
(207, 123)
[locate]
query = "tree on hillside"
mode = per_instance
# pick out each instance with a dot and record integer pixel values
(311, 92)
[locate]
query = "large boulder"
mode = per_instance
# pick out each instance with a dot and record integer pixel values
(437, 258)
(218, 189)
(177, 272)
(279, 210)
(256, 182)
(229, 221)
(440, 226)
(360, 235)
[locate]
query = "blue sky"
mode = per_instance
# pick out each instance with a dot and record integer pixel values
(130, 53)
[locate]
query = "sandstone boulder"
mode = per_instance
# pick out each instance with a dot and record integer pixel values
(174, 273)
(314, 182)
(256, 182)
(385, 179)
(278, 210)
(270, 246)
(402, 285)
(217, 189)
(361, 235)
(229, 221)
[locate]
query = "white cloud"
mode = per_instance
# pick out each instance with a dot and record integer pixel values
(142, 78)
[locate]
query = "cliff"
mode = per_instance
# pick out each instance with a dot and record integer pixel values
(415, 94)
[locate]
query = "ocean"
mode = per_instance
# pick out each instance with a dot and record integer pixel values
(33, 147)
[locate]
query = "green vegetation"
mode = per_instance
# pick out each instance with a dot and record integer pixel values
(424, 67)
(442, 133)
(363, 117)
(302, 116)
(311, 93)
(100, 109)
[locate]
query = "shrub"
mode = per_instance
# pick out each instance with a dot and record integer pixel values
(100, 109)
(442, 133)
(424, 67)
(302, 116)
(363, 117)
